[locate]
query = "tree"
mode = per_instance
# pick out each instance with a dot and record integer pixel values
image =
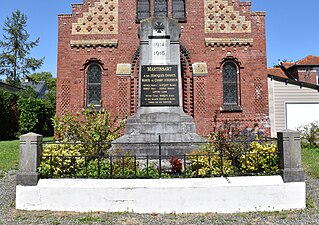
(14, 60)
(44, 76)
(8, 115)
(51, 84)
(35, 114)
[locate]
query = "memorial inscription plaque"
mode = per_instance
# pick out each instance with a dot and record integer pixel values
(159, 85)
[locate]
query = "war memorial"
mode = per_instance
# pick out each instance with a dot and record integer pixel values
(177, 70)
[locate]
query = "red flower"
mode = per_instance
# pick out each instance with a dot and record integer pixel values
(176, 164)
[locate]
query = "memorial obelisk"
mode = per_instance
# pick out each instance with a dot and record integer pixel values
(160, 113)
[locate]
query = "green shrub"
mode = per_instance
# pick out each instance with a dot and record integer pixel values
(208, 162)
(151, 171)
(60, 160)
(92, 134)
(92, 126)
(124, 166)
(8, 115)
(228, 153)
(309, 134)
(91, 170)
(260, 158)
(257, 158)
(35, 115)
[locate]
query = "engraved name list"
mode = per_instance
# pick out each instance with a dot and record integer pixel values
(159, 85)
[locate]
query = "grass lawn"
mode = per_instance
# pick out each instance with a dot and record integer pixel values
(310, 161)
(9, 154)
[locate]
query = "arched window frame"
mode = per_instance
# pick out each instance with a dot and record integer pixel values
(86, 67)
(231, 103)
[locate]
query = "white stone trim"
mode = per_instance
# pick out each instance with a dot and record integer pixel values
(123, 69)
(223, 195)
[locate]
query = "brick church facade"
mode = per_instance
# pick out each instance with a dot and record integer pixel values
(223, 59)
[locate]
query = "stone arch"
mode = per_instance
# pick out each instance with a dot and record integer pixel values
(93, 88)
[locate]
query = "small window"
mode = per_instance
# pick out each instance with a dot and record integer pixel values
(160, 8)
(143, 9)
(230, 87)
(179, 12)
(94, 76)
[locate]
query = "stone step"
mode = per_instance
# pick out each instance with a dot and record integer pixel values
(162, 117)
(159, 128)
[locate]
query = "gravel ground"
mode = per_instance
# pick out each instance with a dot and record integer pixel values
(9, 215)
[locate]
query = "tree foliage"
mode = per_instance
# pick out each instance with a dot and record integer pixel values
(15, 63)
(310, 134)
(44, 76)
(50, 81)
(91, 126)
(8, 115)
(35, 115)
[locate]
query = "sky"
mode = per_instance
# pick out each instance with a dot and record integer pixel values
(291, 26)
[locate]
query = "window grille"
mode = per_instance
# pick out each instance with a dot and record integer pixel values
(179, 11)
(143, 9)
(230, 84)
(160, 8)
(94, 76)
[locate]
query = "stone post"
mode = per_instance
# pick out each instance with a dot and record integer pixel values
(30, 156)
(289, 147)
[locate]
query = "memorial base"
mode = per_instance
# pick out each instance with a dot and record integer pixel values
(169, 130)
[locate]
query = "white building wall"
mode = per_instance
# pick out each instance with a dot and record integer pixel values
(281, 94)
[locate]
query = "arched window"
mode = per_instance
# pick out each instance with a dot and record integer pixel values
(93, 93)
(143, 9)
(179, 11)
(230, 86)
(160, 8)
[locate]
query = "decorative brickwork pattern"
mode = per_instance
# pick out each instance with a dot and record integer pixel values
(259, 96)
(187, 79)
(229, 42)
(221, 17)
(94, 43)
(66, 96)
(102, 18)
(124, 96)
(202, 94)
(200, 100)
(134, 83)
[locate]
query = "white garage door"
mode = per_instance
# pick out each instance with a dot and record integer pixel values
(299, 114)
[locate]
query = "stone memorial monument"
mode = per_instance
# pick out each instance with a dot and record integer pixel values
(160, 115)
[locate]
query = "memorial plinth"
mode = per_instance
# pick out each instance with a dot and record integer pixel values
(160, 114)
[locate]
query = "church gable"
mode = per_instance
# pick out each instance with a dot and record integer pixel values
(106, 30)
(101, 18)
(221, 17)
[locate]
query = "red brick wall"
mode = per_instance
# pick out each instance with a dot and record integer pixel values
(204, 94)
(305, 74)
